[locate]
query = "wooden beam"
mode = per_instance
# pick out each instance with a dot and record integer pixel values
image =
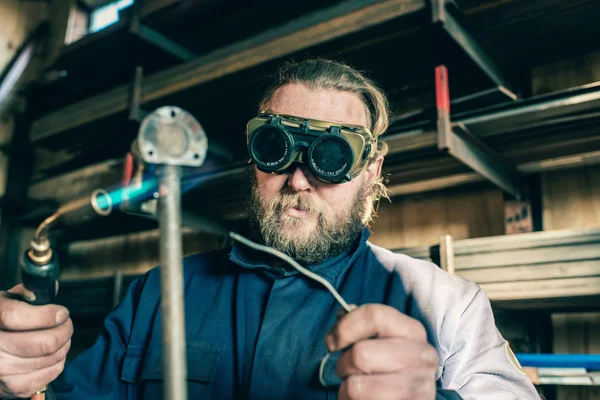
(565, 162)
(558, 253)
(313, 29)
(410, 141)
(74, 184)
(558, 270)
(543, 289)
(447, 254)
(527, 241)
(427, 185)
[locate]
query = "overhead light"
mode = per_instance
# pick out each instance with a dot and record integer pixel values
(108, 15)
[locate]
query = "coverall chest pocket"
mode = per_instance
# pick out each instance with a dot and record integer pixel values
(143, 368)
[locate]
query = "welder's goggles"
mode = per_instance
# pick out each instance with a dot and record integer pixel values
(334, 153)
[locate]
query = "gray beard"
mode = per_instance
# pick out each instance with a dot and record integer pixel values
(331, 237)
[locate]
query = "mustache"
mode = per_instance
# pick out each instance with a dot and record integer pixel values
(286, 201)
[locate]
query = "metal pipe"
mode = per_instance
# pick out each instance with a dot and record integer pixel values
(587, 361)
(545, 106)
(171, 269)
(73, 212)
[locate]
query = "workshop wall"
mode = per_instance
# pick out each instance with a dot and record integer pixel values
(419, 220)
(571, 200)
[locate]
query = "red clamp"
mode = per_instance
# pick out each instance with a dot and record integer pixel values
(442, 91)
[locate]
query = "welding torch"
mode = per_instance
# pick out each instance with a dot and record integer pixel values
(39, 265)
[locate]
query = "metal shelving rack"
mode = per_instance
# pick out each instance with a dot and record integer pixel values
(479, 129)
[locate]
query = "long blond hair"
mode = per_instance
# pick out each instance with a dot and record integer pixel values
(329, 74)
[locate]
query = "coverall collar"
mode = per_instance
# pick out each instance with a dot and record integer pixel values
(331, 269)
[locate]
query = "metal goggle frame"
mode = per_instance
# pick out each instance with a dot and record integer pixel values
(335, 153)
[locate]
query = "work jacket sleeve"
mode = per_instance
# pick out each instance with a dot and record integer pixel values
(481, 364)
(443, 394)
(95, 373)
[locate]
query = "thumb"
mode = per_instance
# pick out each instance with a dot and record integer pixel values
(17, 315)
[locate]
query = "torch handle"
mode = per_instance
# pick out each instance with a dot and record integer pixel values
(40, 283)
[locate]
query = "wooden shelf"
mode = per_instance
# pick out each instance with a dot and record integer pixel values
(551, 269)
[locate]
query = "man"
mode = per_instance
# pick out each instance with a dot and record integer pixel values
(255, 328)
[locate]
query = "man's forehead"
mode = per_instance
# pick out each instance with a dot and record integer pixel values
(323, 104)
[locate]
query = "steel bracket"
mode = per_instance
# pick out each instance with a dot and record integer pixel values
(156, 38)
(467, 147)
(446, 14)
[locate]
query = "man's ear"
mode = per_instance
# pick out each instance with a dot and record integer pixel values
(374, 169)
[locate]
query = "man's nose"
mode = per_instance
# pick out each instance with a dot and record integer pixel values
(299, 178)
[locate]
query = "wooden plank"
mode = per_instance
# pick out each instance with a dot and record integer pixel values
(532, 272)
(428, 185)
(543, 289)
(78, 183)
(410, 141)
(540, 255)
(446, 251)
(558, 163)
(527, 241)
(310, 30)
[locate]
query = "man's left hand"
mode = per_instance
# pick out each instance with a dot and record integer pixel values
(385, 355)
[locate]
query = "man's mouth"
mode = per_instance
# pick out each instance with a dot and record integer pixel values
(298, 212)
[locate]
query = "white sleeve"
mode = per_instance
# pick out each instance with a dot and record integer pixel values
(480, 364)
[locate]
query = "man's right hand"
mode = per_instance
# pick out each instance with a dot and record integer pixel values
(34, 342)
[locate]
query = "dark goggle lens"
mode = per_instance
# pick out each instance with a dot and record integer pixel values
(269, 147)
(331, 158)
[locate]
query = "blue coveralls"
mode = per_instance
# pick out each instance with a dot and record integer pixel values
(258, 332)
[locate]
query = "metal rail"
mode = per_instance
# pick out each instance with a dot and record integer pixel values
(171, 284)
